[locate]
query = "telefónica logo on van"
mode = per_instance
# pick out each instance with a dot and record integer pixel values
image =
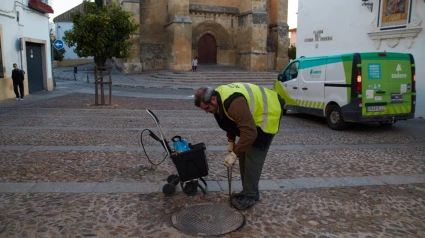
(398, 75)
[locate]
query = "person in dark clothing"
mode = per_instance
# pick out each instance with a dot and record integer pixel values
(253, 114)
(18, 81)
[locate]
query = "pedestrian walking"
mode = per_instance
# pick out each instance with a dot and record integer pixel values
(18, 81)
(253, 114)
(194, 64)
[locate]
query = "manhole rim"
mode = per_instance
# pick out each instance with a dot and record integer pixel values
(173, 218)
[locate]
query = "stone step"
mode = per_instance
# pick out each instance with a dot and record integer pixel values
(218, 80)
(214, 76)
(211, 78)
(208, 79)
(216, 73)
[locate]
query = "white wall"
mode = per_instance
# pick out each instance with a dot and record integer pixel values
(348, 23)
(61, 27)
(33, 27)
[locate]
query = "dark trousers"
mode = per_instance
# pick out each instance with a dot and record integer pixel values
(251, 166)
(19, 94)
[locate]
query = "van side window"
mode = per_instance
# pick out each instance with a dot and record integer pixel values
(291, 72)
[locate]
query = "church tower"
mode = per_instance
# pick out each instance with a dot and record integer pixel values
(250, 34)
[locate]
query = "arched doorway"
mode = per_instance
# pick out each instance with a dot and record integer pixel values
(207, 49)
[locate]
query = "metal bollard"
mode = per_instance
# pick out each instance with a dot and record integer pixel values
(75, 72)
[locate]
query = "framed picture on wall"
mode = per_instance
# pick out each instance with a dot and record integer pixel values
(394, 13)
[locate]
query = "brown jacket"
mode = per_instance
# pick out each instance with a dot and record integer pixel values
(241, 115)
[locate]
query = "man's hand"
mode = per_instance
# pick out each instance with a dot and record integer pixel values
(230, 146)
(230, 159)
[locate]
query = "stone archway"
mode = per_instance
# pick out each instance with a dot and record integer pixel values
(204, 35)
(207, 49)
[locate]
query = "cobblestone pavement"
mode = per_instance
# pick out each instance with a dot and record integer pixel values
(67, 139)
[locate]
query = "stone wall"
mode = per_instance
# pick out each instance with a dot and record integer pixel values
(170, 31)
(280, 34)
(252, 40)
(153, 37)
(179, 35)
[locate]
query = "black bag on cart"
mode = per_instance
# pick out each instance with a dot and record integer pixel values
(191, 165)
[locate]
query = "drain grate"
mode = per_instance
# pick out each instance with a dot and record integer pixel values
(207, 219)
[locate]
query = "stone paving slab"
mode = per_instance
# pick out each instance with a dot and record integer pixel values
(269, 184)
(16, 187)
(400, 179)
(374, 211)
(86, 101)
(156, 187)
(129, 119)
(53, 164)
(355, 181)
(213, 186)
(224, 185)
(132, 138)
(57, 187)
(210, 148)
(102, 112)
(316, 182)
(142, 188)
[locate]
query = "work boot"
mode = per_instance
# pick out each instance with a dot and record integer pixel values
(243, 202)
(239, 195)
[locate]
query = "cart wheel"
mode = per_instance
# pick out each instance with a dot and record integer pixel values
(172, 177)
(169, 189)
(191, 188)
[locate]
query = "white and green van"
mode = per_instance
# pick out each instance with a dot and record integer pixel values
(357, 87)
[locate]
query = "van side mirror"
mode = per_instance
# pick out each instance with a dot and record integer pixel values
(280, 77)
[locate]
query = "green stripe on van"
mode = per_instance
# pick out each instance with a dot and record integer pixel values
(313, 62)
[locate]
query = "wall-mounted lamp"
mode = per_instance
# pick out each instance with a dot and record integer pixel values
(368, 4)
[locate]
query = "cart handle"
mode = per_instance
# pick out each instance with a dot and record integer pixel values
(153, 116)
(163, 140)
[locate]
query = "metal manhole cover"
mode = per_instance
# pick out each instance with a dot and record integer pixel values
(207, 219)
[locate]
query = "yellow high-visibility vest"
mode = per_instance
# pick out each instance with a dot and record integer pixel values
(263, 104)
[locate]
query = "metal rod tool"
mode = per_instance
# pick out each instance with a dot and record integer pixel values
(229, 180)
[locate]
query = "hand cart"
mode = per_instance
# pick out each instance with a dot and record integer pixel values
(191, 165)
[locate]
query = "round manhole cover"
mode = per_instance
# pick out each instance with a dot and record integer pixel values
(207, 219)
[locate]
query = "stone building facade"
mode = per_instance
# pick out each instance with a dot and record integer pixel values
(251, 34)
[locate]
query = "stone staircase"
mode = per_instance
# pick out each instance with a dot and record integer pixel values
(213, 75)
(206, 75)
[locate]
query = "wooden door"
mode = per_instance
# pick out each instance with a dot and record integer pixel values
(207, 49)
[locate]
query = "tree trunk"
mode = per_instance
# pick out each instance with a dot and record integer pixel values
(100, 61)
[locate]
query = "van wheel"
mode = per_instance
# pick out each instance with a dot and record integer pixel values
(334, 118)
